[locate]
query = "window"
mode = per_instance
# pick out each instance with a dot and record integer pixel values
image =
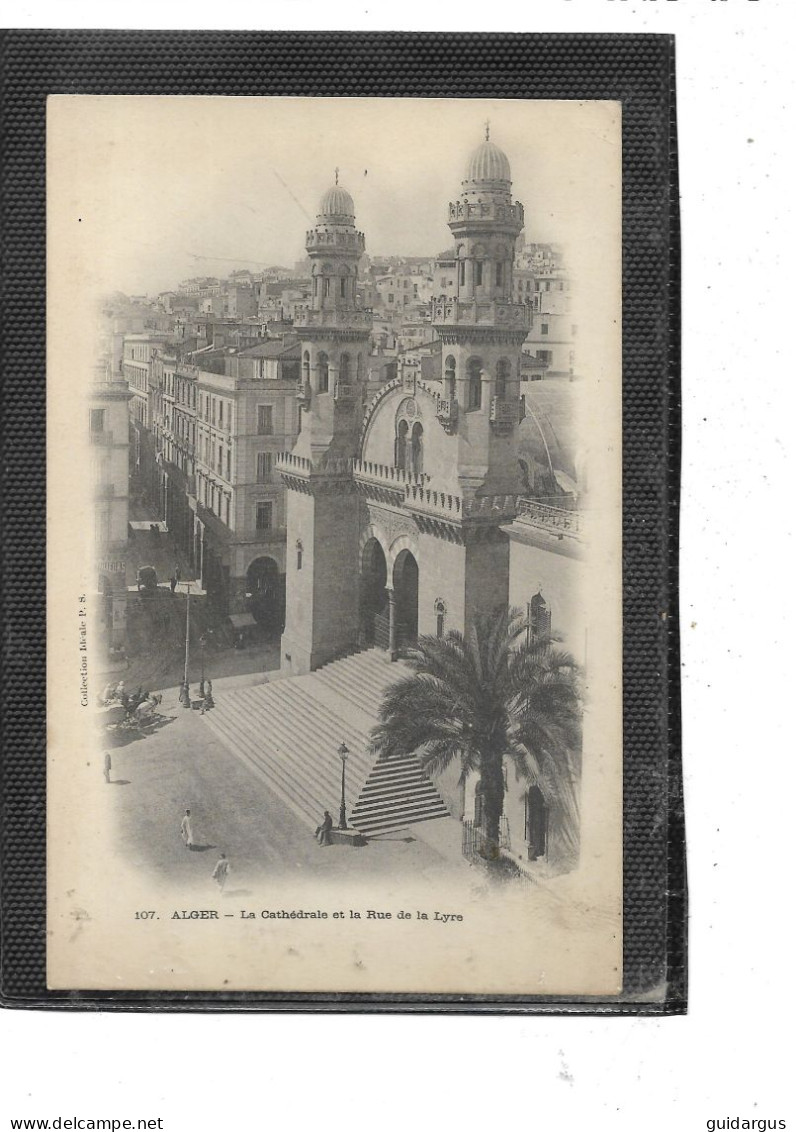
(479, 272)
(220, 460)
(439, 612)
(545, 328)
(299, 554)
(229, 464)
(391, 297)
(220, 414)
(400, 445)
(450, 377)
(502, 377)
(474, 375)
(539, 619)
(478, 816)
(342, 288)
(499, 274)
(345, 369)
(97, 420)
(227, 510)
(213, 410)
(326, 288)
(417, 449)
(461, 273)
(323, 373)
(263, 466)
(264, 515)
(265, 420)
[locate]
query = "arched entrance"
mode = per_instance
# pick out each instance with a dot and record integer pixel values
(374, 621)
(264, 583)
(535, 823)
(405, 582)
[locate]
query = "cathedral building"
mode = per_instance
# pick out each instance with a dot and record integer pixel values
(400, 505)
(448, 489)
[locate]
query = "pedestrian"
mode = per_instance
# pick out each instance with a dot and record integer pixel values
(107, 766)
(209, 701)
(177, 571)
(221, 871)
(186, 833)
(203, 708)
(323, 833)
(173, 582)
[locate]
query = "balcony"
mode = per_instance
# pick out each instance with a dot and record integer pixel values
(304, 393)
(344, 392)
(554, 519)
(477, 312)
(337, 240)
(383, 481)
(464, 213)
(341, 319)
(295, 469)
(104, 439)
(453, 508)
(503, 415)
(448, 413)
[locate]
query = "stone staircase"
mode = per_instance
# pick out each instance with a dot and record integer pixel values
(288, 731)
(397, 793)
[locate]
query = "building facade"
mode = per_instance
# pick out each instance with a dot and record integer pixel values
(109, 442)
(408, 507)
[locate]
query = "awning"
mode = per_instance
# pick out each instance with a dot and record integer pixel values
(241, 620)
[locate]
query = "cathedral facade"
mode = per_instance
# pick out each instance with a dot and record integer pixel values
(400, 505)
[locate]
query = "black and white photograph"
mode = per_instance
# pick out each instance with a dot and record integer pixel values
(349, 621)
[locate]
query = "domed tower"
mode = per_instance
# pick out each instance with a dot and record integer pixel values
(333, 333)
(322, 509)
(481, 329)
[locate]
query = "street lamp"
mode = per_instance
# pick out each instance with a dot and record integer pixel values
(185, 691)
(343, 752)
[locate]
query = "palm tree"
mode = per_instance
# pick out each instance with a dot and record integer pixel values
(489, 697)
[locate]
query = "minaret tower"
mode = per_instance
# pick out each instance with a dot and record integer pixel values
(322, 509)
(334, 334)
(481, 329)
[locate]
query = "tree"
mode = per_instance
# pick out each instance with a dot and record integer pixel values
(491, 697)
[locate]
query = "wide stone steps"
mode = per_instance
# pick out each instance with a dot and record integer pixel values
(360, 679)
(291, 742)
(288, 732)
(397, 793)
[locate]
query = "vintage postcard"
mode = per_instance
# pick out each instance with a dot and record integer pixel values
(334, 545)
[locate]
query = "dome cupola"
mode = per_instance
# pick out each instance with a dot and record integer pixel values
(488, 163)
(337, 205)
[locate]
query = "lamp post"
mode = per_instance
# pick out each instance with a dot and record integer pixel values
(343, 752)
(185, 691)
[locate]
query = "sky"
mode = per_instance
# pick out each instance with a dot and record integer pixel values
(158, 189)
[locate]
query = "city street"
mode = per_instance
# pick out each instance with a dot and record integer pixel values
(156, 627)
(156, 777)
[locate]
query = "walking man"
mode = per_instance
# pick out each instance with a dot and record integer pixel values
(107, 766)
(186, 833)
(221, 871)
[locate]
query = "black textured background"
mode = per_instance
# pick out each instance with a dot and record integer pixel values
(638, 70)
